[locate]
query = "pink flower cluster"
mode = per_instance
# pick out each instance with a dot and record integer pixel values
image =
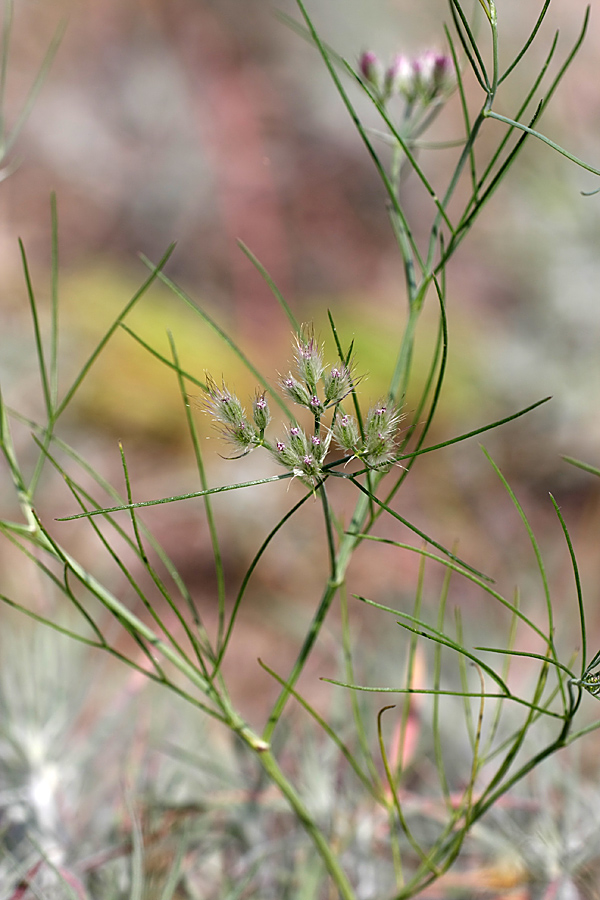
(423, 78)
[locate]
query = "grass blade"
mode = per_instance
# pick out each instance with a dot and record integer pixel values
(269, 281)
(109, 333)
(221, 333)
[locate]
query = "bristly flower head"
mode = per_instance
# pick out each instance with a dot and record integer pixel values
(381, 427)
(346, 434)
(309, 359)
(318, 390)
(303, 388)
(295, 390)
(303, 456)
(260, 412)
(338, 383)
(231, 418)
(377, 447)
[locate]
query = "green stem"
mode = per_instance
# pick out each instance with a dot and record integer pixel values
(305, 650)
(336, 579)
(269, 764)
(490, 114)
(401, 374)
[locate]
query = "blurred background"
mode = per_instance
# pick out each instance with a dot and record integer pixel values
(208, 121)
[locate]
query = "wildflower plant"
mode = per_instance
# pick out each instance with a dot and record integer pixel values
(508, 729)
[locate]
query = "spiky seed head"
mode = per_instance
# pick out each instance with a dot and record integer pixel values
(230, 417)
(301, 455)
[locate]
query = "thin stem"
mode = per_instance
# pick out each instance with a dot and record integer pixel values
(54, 303)
(490, 114)
(339, 877)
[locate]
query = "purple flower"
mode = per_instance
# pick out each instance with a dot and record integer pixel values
(371, 70)
(435, 75)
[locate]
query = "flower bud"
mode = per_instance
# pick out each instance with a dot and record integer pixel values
(379, 445)
(337, 383)
(316, 406)
(298, 441)
(302, 457)
(223, 405)
(346, 434)
(260, 409)
(320, 447)
(296, 391)
(309, 361)
(444, 75)
(371, 70)
(434, 75)
(400, 78)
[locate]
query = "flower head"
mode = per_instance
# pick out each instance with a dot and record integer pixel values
(260, 412)
(379, 444)
(424, 78)
(400, 78)
(309, 360)
(222, 404)
(337, 383)
(301, 455)
(346, 434)
(295, 390)
(230, 417)
(435, 75)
